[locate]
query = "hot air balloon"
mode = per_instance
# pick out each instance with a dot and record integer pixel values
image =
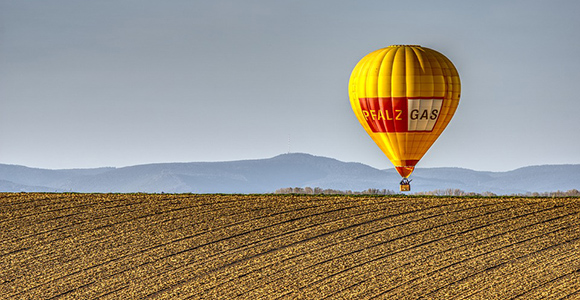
(404, 96)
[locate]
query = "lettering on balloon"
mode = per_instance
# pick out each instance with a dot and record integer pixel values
(423, 113)
(399, 114)
(387, 115)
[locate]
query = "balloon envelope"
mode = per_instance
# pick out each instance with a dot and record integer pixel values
(404, 96)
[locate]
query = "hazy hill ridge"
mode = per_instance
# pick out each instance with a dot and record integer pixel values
(286, 170)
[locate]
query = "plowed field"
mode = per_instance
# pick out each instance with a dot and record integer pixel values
(139, 246)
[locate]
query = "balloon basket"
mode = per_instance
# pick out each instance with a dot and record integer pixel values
(405, 185)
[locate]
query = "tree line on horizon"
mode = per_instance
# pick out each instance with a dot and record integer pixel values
(439, 192)
(320, 191)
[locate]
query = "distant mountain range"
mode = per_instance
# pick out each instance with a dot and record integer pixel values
(287, 170)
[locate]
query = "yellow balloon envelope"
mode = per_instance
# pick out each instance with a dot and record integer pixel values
(404, 96)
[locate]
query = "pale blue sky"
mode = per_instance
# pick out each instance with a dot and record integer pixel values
(117, 83)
